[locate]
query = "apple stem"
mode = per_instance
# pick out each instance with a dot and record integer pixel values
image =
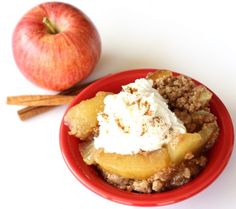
(49, 26)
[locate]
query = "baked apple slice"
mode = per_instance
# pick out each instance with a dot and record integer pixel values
(184, 144)
(87, 151)
(82, 118)
(159, 74)
(209, 131)
(190, 142)
(135, 166)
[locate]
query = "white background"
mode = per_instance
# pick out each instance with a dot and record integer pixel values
(197, 38)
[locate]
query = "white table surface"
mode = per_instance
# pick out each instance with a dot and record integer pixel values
(197, 38)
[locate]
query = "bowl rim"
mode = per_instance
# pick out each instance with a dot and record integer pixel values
(155, 199)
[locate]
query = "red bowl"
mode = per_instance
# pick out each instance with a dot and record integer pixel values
(87, 175)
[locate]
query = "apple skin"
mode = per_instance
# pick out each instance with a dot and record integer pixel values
(56, 61)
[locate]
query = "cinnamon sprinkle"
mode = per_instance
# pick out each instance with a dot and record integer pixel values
(125, 129)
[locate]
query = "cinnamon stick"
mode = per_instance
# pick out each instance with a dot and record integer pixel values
(29, 112)
(39, 100)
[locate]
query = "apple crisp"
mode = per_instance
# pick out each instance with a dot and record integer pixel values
(177, 165)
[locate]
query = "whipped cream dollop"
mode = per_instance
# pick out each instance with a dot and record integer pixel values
(136, 119)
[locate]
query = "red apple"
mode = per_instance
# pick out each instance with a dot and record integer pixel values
(55, 45)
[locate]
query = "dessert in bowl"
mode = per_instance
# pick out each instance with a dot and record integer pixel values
(153, 143)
